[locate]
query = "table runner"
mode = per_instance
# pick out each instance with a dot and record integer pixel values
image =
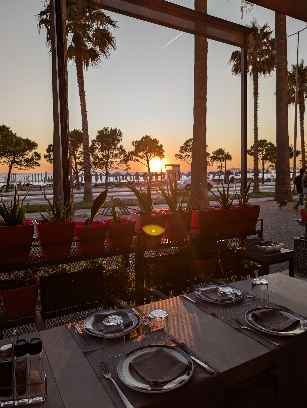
(290, 357)
(201, 387)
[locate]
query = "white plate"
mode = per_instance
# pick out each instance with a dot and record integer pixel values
(302, 327)
(202, 296)
(133, 380)
(88, 323)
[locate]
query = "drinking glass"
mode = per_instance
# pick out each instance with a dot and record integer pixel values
(260, 283)
(113, 331)
(229, 292)
(158, 319)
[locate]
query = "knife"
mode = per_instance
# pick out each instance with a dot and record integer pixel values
(198, 305)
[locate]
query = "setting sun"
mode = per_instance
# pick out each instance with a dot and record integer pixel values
(156, 164)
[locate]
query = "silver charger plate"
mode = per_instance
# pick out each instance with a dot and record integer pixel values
(300, 329)
(133, 380)
(88, 323)
(202, 296)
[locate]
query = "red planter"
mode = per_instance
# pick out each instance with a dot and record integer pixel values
(205, 222)
(152, 224)
(120, 234)
(303, 215)
(177, 225)
(90, 238)
(204, 267)
(249, 217)
(56, 238)
(230, 220)
(16, 242)
(20, 302)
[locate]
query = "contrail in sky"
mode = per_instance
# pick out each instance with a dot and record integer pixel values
(169, 42)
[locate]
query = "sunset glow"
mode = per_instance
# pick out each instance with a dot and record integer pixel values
(156, 164)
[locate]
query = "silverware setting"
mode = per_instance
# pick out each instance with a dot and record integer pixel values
(185, 348)
(80, 332)
(107, 374)
(198, 305)
(241, 325)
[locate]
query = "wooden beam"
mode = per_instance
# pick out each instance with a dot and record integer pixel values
(292, 8)
(180, 18)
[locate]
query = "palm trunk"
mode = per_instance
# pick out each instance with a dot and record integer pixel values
(76, 173)
(9, 177)
(302, 132)
(199, 165)
(256, 153)
(88, 194)
(282, 186)
(106, 179)
(56, 148)
(262, 171)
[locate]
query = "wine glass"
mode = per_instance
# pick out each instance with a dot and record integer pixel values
(226, 295)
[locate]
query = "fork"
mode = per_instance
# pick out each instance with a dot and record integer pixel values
(254, 331)
(107, 374)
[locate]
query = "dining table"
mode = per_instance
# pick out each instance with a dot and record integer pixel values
(209, 333)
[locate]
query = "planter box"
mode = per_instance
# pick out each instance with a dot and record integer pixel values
(177, 225)
(303, 215)
(90, 238)
(230, 220)
(20, 302)
(205, 222)
(120, 234)
(16, 243)
(155, 223)
(249, 217)
(56, 238)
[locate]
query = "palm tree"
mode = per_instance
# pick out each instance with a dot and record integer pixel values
(302, 95)
(267, 153)
(282, 186)
(89, 40)
(198, 165)
(261, 61)
(221, 156)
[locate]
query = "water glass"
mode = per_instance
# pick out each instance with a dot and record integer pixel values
(158, 319)
(113, 331)
(260, 283)
(226, 295)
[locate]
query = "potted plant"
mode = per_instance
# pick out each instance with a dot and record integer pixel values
(249, 213)
(146, 220)
(19, 295)
(230, 214)
(56, 230)
(205, 220)
(16, 233)
(90, 235)
(120, 230)
(177, 223)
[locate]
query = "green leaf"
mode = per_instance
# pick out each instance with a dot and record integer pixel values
(97, 204)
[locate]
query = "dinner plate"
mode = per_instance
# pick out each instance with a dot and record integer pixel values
(300, 329)
(133, 380)
(202, 295)
(88, 323)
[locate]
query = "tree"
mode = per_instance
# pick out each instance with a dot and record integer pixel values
(108, 153)
(17, 152)
(89, 40)
(221, 156)
(146, 149)
(199, 191)
(282, 185)
(76, 153)
(302, 96)
(260, 61)
(267, 153)
(185, 153)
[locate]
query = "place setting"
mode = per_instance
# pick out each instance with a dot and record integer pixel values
(151, 362)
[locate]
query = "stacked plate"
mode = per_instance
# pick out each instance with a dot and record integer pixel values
(210, 294)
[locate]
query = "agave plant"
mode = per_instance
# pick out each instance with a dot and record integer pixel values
(15, 213)
(170, 195)
(243, 197)
(97, 204)
(224, 198)
(116, 215)
(145, 202)
(56, 212)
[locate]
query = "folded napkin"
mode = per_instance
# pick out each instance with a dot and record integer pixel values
(99, 318)
(160, 367)
(212, 294)
(274, 319)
